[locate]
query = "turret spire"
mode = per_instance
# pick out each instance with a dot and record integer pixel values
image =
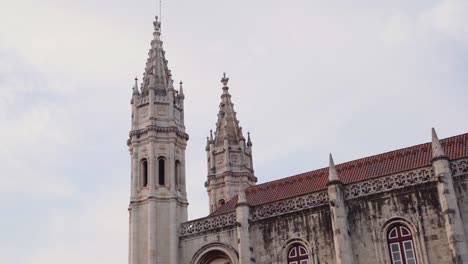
(437, 150)
(332, 173)
(157, 74)
(230, 163)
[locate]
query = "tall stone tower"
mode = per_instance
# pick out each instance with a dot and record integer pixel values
(158, 202)
(230, 165)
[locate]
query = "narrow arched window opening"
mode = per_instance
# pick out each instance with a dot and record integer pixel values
(178, 180)
(162, 171)
(401, 245)
(144, 172)
(221, 202)
(297, 254)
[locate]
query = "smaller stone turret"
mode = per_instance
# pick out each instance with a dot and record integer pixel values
(229, 156)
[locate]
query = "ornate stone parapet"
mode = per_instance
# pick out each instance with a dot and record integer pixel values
(290, 205)
(223, 221)
(459, 167)
(389, 183)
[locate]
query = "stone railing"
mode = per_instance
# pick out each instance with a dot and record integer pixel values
(290, 205)
(389, 183)
(459, 167)
(209, 223)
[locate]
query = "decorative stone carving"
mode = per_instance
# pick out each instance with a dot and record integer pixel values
(459, 167)
(209, 223)
(390, 182)
(289, 206)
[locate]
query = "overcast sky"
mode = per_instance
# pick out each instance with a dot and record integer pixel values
(354, 78)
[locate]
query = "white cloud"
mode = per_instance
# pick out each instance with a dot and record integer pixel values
(449, 17)
(95, 232)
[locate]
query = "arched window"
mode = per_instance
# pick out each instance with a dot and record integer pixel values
(298, 255)
(400, 245)
(144, 172)
(221, 202)
(162, 171)
(178, 180)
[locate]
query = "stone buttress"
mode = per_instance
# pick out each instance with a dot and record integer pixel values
(158, 201)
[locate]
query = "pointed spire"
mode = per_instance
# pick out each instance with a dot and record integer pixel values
(437, 150)
(227, 126)
(135, 87)
(211, 135)
(249, 142)
(332, 173)
(157, 75)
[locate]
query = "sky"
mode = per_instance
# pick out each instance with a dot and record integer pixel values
(307, 77)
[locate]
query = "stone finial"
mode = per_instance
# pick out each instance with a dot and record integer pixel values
(181, 88)
(332, 173)
(135, 87)
(224, 81)
(211, 135)
(249, 142)
(437, 150)
(157, 25)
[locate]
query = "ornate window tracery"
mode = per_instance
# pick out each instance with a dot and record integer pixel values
(401, 245)
(297, 254)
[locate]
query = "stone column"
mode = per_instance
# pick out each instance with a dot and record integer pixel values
(448, 202)
(242, 217)
(343, 248)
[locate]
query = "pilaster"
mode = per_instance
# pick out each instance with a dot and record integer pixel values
(448, 202)
(243, 234)
(341, 239)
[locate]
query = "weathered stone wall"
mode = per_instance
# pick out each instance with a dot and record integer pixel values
(312, 227)
(418, 207)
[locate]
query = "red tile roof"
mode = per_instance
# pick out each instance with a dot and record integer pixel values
(353, 171)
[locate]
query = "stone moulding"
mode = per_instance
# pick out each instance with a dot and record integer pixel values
(210, 223)
(140, 132)
(290, 205)
(388, 183)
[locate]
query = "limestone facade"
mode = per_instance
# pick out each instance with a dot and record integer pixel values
(402, 207)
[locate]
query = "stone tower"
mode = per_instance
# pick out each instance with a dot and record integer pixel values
(229, 154)
(158, 201)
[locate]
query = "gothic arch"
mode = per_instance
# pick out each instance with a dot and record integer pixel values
(418, 237)
(214, 252)
(282, 254)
